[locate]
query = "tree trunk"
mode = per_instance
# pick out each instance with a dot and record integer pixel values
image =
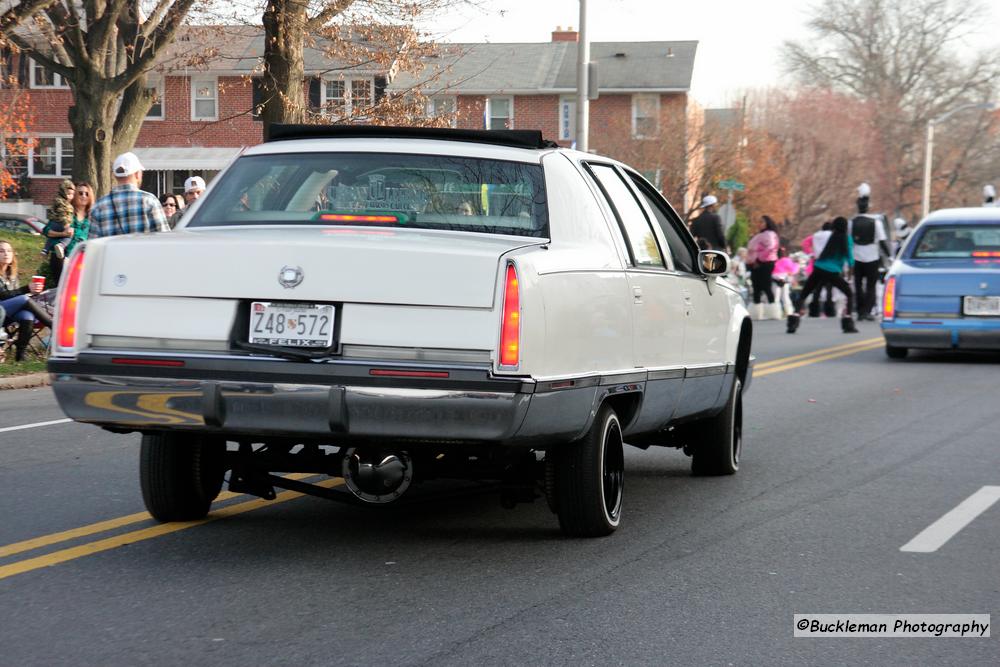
(91, 118)
(102, 129)
(284, 67)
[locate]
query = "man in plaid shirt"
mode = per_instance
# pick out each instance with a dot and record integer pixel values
(127, 209)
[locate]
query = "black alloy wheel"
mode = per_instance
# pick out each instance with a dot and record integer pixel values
(590, 479)
(721, 438)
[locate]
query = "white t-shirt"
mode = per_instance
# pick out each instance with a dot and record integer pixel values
(868, 253)
(819, 241)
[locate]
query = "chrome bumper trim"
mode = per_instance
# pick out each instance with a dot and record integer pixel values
(265, 409)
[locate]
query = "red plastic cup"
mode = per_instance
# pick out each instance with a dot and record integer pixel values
(38, 282)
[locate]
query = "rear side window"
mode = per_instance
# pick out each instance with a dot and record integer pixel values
(668, 221)
(380, 189)
(638, 234)
(958, 241)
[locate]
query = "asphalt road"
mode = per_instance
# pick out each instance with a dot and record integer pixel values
(848, 456)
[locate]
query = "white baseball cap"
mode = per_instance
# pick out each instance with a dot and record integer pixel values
(194, 183)
(709, 200)
(127, 164)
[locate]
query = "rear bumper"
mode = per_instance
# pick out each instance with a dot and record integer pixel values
(335, 401)
(944, 334)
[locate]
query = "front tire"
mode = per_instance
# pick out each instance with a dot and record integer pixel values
(894, 352)
(721, 438)
(590, 476)
(180, 475)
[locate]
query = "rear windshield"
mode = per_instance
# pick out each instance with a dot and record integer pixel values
(958, 241)
(379, 189)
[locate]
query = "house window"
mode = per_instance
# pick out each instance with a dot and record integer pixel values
(645, 116)
(567, 119)
(156, 111)
(42, 77)
(361, 94)
(204, 99)
(52, 156)
(500, 113)
(442, 106)
(347, 97)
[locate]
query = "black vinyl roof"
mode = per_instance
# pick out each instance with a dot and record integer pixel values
(513, 138)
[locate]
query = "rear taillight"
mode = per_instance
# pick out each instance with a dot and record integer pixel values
(510, 328)
(68, 303)
(889, 299)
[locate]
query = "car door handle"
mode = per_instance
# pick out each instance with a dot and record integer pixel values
(637, 295)
(687, 297)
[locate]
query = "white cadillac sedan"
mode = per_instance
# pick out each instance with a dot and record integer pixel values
(392, 305)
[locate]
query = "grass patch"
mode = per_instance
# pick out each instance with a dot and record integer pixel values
(30, 262)
(11, 368)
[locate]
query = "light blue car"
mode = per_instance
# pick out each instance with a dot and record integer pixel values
(943, 291)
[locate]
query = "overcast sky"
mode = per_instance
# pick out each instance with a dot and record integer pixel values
(739, 41)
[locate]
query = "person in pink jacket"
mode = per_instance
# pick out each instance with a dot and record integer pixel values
(785, 272)
(762, 253)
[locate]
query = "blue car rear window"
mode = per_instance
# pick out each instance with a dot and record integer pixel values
(958, 241)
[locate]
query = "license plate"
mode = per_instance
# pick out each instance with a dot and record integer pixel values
(982, 305)
(291, 324)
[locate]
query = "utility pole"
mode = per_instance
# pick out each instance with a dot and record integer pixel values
(929, 148)
(925, 207)
(582, 101)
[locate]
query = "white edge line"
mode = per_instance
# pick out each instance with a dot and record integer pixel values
(7, 429)
(936, 535)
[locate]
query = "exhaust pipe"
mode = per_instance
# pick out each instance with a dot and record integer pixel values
(377, 477)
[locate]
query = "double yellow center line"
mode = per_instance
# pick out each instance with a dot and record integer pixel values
(115, 541)
(825, 354)
(233, 509)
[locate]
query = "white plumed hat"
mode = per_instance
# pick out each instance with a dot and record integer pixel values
(864, 190)
(989, 192)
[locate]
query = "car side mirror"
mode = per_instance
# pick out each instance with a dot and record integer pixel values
(713, 262)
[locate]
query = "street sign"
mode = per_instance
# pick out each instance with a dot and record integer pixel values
(730, 184)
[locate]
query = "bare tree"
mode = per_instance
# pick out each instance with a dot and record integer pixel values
(102, 49)
(353, 35)
(897, 59)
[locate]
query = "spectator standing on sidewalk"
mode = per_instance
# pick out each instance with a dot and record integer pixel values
(708, 225)
(828, 269)
(173, 206)
(193, 188)
(127, 209)
(83, 201)
(867, 231)
(762, 253)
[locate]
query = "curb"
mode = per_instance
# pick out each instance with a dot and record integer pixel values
(25, 381)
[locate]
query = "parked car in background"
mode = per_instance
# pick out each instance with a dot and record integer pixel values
(943, 290)
(19, 222)
(391, 305)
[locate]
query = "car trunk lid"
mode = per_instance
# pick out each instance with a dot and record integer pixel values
(336, 264)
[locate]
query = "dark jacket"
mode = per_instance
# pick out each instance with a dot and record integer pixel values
(708, 226)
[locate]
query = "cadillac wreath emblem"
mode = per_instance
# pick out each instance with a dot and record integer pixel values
(290, 276)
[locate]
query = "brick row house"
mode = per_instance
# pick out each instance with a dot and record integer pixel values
(204, 116)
